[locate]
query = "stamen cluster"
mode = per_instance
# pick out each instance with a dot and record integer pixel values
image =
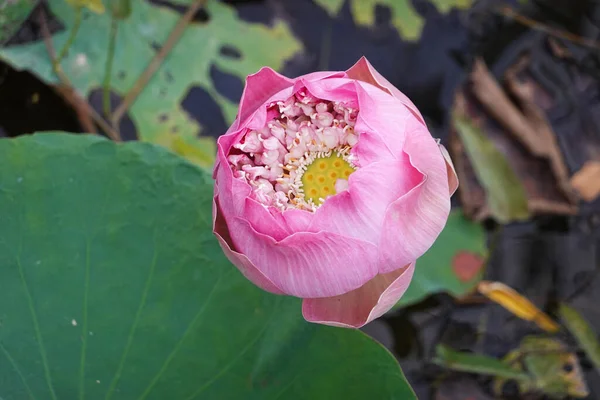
(302, 129)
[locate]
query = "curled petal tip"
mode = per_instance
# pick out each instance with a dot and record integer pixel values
(452, 176)
(360, 306)
(364, 71)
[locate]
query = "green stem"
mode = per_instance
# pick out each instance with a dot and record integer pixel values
(72, 35)
(108, 69)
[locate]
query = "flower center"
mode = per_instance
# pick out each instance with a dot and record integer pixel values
(302, 156)
(325, 176)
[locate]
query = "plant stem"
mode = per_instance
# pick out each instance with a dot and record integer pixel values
(75, 98)
(70, 39)
(156, 62)
(108, 70)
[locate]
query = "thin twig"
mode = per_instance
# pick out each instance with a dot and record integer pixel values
(108, 70)
(82, 103)
(71, 38)
(156, 62)
(539, 26)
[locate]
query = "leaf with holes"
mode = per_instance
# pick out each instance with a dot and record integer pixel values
(114, 287)
(12, 14)
(404, 16)
(222, 44)
(454, 263)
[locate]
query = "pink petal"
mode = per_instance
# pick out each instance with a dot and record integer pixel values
(332, 89)
(239, 260)
(307, 264)
(295, 220)
(414, 221)
(364, 71)
(263, 221)
(232, 192)
(359, 212)
(321, 75)
(259, 88)
(452, 177)
(371, 148)
(382, 114)
(361, 306)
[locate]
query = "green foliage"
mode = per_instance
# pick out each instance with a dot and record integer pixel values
(435, 270)
(157, 113)
(404, 17)
(113, 287)
(583, 332)
(506, 195)
(553, 369)
(476, 363)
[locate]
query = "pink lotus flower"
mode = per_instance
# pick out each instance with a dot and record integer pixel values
(328, 188)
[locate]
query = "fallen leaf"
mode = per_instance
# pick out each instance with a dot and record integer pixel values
(505, 193)
(554, 370)
(517, 304)
(476, 363)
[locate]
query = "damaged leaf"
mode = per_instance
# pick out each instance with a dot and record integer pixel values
(405, 18)
(158, 114)
(12, 15)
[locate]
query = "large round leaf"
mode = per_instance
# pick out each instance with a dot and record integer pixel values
(113, 287)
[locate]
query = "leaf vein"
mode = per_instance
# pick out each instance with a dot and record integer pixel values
(36, 327)
(17, 369)
(135, 323)
(226, 368)
(182, 339)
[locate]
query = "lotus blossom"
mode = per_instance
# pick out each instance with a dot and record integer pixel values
(329, 187)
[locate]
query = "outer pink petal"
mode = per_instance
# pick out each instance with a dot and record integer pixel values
(318, 76)
(239, 260)
(414, 221)
(359, 212)
(263, 221)
(259, 88)
(332, 89)
(364, 71)
(307, 264)
(232, 192)
(361, 306)
(382, 114)
(452, 177)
